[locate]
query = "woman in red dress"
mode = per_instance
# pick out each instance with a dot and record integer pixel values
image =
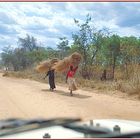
(70, 79)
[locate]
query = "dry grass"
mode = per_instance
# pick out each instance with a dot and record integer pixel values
(134, 82)
(44, 66)
(27, 74)
(63, 64)
(131, 85)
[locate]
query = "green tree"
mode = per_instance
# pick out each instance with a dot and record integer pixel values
(29, 43)
(63, 46)
(113, 51)
(6, 56)
(82, 39)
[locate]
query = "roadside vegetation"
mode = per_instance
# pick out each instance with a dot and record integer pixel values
(110, 62)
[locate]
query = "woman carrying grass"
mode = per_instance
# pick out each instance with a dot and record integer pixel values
(71, 80)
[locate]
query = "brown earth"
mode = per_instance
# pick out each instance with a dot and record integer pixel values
(24, 98)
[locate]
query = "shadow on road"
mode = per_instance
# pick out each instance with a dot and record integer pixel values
(66, 93)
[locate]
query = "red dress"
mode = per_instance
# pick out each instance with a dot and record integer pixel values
(71, 80)
(71, 73)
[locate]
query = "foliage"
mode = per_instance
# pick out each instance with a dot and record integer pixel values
(101, 50)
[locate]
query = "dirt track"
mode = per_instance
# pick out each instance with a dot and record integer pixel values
(23, 98)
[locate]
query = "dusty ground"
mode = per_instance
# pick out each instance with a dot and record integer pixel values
(23, 98)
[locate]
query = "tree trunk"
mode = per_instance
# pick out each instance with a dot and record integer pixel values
(113, 67)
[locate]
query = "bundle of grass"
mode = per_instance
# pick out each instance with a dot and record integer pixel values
(45, 66)
(63, 65)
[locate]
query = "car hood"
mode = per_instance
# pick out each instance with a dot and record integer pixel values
(59, 132)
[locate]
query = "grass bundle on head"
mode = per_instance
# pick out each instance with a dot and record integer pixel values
(64, 64)
(45, 66)
(54, 61)
(75, 58)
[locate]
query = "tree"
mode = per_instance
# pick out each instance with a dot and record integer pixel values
(88, 41)
(114, 51)
(82, 39)
(98, 40)
(63, 47)
(130, 52)
(6, 56)
(29, 43)
(36, 56)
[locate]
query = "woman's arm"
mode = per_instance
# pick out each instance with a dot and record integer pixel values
(46, 75)
(67, 77)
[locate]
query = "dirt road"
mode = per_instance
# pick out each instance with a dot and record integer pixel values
(23, 98)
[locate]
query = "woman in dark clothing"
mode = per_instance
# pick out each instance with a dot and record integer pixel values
(51, 76)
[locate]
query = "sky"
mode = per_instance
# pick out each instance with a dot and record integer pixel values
(48, 21)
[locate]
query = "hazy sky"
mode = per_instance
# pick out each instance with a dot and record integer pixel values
(47, 21)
